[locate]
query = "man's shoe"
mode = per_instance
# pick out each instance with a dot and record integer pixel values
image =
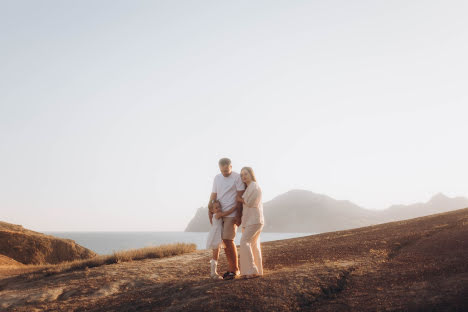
(226, 274)
(230, 276)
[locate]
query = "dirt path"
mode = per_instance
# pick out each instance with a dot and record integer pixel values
(417, 264)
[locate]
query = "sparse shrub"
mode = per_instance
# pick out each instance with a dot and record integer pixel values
(116, 257)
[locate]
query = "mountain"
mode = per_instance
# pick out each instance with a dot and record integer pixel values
(200, 222)
(30, 247)
(304, 211)
(437, 204)
(308, 212)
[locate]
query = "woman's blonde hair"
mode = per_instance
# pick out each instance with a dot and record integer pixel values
(251, 172)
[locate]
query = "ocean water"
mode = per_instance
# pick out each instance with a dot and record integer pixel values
(108, 242)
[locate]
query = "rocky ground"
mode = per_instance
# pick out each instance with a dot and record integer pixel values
(414, 265)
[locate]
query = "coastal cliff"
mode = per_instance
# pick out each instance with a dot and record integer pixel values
(30, 247)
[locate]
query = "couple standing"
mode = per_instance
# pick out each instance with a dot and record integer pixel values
(236, 200)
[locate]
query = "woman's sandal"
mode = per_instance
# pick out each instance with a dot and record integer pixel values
(250, 276)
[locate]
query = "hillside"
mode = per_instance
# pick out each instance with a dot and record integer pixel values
(30, 247)
(307, 212)
(412, 265)
(6, 261)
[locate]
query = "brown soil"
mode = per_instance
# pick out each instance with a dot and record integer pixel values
(414, 265)
(29, 247)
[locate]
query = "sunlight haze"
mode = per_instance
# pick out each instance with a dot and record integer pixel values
(113, 114)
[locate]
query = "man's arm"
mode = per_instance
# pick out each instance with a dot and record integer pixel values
(220, 214)
(239, 209)
(210, 203)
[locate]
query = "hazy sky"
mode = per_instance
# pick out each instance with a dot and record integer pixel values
(113, 114)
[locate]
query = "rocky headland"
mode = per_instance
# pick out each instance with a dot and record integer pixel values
(20, 245)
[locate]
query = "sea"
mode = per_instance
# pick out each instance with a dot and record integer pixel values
(107, 242)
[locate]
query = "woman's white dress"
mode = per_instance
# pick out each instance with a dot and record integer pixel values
(214, 239)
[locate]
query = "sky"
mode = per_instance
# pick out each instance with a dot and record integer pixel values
(113, 114)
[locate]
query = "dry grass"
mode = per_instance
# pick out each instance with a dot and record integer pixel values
(117, 257)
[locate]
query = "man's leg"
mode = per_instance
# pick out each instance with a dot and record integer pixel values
(231, 255)
(236, 259)
(229, 233)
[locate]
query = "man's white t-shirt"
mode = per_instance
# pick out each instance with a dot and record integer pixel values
(226, 189)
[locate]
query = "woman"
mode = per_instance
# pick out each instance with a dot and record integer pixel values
(252, 224)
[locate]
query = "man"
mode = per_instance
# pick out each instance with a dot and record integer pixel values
(226, 187)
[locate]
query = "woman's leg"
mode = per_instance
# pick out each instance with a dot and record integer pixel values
(246, 257)
(248, 266)
(257, 251)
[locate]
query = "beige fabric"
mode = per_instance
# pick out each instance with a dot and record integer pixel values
(229, 228)
(250, 251)
(253, 207)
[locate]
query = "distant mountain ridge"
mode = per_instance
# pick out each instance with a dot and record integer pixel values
(437, 204)
(300, 211)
